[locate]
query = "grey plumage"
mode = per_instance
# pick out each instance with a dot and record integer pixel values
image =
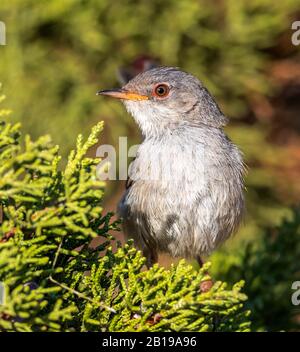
(185, 194)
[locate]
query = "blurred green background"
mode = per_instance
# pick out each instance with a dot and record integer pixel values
(59, 53)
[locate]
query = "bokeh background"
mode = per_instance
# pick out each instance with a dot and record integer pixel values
(59, 53)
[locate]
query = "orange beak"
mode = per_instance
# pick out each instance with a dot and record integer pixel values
(122, 94)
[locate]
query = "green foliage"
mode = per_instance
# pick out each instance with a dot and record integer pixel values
(269, 266)
(54, 280)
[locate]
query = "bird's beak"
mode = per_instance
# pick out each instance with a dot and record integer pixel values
(122, 94)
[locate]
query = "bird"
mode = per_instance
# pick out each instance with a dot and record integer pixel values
(184, 194)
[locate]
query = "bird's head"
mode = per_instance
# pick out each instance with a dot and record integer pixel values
(166, 97)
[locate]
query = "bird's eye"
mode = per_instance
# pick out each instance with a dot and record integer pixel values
(161, 90)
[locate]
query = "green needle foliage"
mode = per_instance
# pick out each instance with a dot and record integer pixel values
(54, 281)
(269, 266)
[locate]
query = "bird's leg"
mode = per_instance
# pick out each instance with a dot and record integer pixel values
(151, 256)
(199, 261)
(206, 285)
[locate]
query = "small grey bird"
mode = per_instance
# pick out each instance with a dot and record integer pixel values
(184, 194)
